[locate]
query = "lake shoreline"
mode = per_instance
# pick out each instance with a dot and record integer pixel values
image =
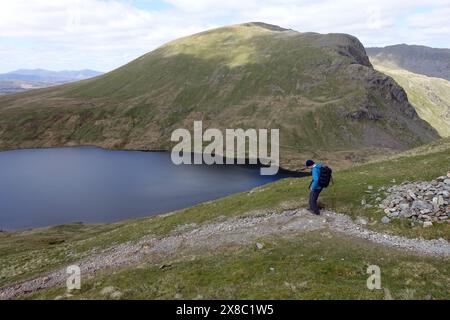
(42, 175)
(282, 169)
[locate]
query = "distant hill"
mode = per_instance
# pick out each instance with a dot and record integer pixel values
(320, 90)
(428, 61)
(26, 79)
(41, 75)
(430, 96)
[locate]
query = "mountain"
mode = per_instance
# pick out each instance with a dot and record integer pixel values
(428, 61)
(424, 73)
(430, 96)
(320, 90)
(25, 79)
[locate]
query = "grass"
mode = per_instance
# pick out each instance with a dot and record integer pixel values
(27, 253)
(317, 265)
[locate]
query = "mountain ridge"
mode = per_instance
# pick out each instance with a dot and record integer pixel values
(432, 62)
(321, 91)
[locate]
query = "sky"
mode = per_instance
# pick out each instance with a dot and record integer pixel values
(105, 34)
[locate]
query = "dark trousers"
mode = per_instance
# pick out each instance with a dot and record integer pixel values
(313, 196)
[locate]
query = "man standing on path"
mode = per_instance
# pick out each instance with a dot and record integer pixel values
(315, 188)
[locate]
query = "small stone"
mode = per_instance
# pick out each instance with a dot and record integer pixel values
(429, 297)
(392, 214)
(387, 294)
(116, 295)
(427, 224)
(259, 246)
(178, 296)
(447, 181)
(369, 187)
(361, 221)
(107, 291)
(385, 220)
(406, 213)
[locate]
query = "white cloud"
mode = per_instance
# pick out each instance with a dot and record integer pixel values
(99, 34)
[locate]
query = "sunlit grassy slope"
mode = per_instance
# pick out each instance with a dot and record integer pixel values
(429, 96)
(315, 265)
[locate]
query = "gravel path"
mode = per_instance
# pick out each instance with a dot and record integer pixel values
(237, 231)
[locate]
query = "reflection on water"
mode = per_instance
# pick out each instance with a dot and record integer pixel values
(44, 187)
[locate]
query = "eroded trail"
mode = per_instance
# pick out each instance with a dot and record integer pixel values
(233, 231)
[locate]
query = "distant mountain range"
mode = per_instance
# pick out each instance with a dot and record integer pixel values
(25, 79)
(428, 61)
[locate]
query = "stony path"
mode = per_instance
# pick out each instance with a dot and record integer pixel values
(238, 231)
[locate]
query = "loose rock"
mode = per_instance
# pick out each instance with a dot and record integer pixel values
(259, 246)
(385, 220)
(422, 201)
(427, 224)
(108, 291)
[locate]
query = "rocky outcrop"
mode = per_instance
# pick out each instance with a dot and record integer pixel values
(422, 202)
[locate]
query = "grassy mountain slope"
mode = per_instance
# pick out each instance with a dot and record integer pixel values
(429, 96)
(316, 264)
(319, 90)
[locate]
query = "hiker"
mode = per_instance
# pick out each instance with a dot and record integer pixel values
(321, 176)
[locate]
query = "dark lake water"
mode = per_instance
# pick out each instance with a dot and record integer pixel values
(42, 187)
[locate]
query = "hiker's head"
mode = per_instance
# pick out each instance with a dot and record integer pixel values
(309, 163)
